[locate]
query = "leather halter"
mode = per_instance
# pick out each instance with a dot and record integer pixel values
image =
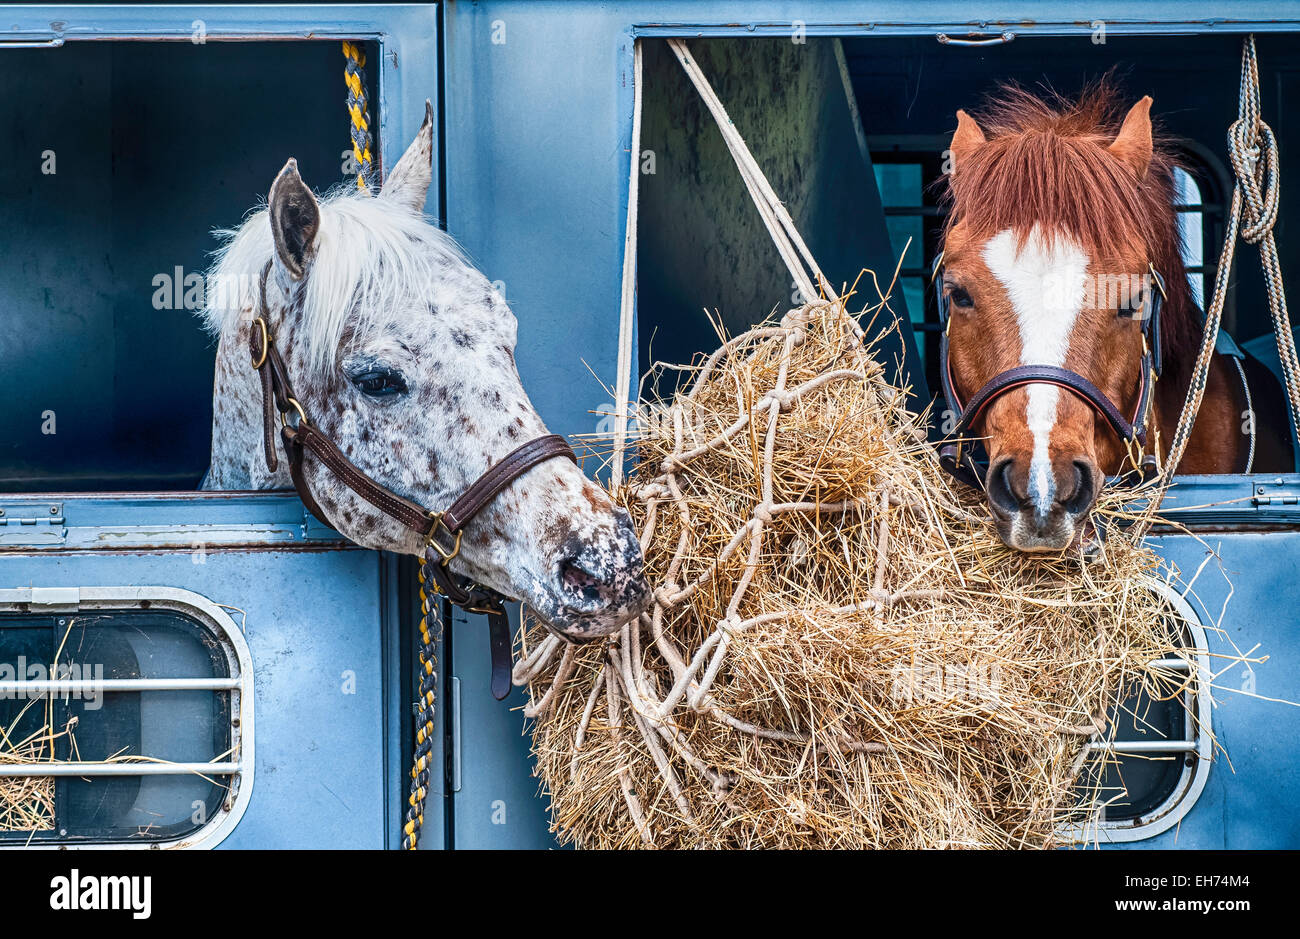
(440, 532)
(961, 463)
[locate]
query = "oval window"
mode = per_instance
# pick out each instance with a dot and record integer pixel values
(123, 720)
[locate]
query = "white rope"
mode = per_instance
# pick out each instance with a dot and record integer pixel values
(627, 303)
(1250, 414)
(780, 226)
(789, 243)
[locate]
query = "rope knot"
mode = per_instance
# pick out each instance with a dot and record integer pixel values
(782, 399)
(797, 318)
(1253, 150)
(763, 512)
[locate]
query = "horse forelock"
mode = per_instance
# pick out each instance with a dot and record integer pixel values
(1045, 168)
(373, 258)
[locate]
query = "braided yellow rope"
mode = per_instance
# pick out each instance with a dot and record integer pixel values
(359, 111)
(354, 77)
(422, 758)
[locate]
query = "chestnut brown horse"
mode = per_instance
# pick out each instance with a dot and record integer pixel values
(1057, 209)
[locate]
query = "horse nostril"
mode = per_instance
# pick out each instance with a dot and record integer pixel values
(580, 580)
(1000, 492)
(1085, 489)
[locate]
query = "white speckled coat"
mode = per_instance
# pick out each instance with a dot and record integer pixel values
(403, 354)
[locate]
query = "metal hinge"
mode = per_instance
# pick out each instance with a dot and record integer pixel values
(32, 523)
(313, 529)
(1274, 494)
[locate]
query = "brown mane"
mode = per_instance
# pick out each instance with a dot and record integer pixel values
(1045, 161)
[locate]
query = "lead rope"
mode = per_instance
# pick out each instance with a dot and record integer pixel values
(431, 621)
(1253, 151)
(428, 686)
(354, 76)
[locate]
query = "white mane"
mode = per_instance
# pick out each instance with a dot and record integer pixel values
(372, 257)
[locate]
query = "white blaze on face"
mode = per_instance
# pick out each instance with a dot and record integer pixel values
(1045, 284)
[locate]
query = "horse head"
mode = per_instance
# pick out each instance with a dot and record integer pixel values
(402, 353)
(1059, 218)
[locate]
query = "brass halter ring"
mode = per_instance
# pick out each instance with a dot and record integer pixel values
(284, 415)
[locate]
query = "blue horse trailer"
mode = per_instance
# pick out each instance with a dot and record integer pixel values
(234, 630)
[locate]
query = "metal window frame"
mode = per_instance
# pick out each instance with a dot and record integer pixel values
(1197, 743)
(242, 764)
(1036, 18)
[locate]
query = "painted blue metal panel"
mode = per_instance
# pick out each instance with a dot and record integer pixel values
(1249, 799)
(498, 805)
(316, 609)
(318, 620)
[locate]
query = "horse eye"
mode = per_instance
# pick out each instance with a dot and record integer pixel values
(960, 297)
(380, 384)
(1129, 310)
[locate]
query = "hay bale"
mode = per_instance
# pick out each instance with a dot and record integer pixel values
(841, 652)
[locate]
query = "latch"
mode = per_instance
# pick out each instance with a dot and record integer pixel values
(32, 523)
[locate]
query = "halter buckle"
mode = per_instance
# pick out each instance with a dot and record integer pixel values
(439, 530)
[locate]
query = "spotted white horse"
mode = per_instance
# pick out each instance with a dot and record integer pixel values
(403, 354)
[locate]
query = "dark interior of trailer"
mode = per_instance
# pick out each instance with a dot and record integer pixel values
(122, 158)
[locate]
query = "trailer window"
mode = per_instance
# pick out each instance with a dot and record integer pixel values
(106, 239)
(124, 725)
(1148, 773)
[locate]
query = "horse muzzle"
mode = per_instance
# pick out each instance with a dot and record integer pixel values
(597, 585)
(1041, 507)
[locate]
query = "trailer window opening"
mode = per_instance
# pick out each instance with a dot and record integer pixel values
(110, 386)
(1147, 771)
(117, 726)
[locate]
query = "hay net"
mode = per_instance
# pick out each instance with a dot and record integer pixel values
(840, 652)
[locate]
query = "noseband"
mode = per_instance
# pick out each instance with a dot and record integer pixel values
(960, 460)
(440, 532)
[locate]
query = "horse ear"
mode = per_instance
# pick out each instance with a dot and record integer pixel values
(408, 183)
(1133, 145)
(966, 140)
(295, 220)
